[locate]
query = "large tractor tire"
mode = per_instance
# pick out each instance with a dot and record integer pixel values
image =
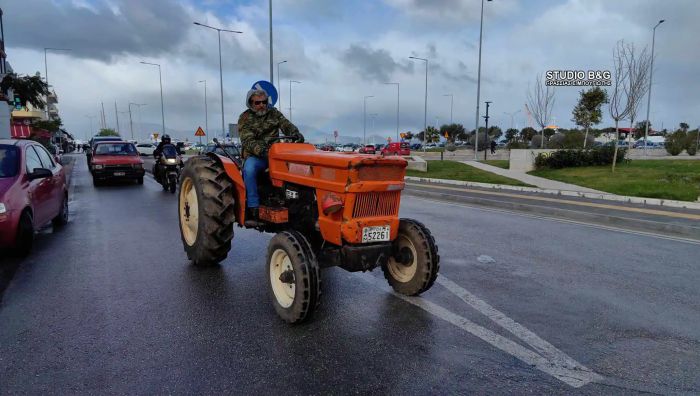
(295, 277)
(206, 211)
(414, 265)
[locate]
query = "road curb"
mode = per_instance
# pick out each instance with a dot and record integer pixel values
(587, 217)
(607, 197)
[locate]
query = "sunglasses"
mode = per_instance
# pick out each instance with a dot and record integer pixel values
(259, 102)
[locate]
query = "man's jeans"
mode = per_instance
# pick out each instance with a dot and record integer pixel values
(251, 169)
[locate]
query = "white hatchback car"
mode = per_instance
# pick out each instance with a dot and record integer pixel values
(145, 148)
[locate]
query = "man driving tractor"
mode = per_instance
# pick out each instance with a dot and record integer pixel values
(258, 125)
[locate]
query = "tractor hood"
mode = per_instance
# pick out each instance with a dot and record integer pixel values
(307, 154)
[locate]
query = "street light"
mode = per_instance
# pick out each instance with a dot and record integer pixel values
(221, 74)
(511, 117)
(46, 74)
(364, 118)
(478, 84)
(279, 82)
(397, 107)
(425, 113)
(373, 116)
(651, 73)
(131, 122)
(91, 131)
(162, 106)
(451, 103)
(206, 112)
(290, 97)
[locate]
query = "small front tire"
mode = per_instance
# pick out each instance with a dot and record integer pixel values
(294, 275)
(62, 218)
(415, 263)
(25, 235)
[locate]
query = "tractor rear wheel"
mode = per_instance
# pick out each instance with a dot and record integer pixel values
(415, 262)
(206, 211)
(295, 277)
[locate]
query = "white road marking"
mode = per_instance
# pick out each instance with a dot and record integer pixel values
(565, 221)
(575, 377)
(484, 259)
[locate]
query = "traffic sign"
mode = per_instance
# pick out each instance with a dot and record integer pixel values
(155, 135)
(200, 132)
(269, 88)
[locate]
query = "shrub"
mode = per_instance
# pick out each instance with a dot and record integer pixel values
(691, 142)
(572, 158)
(450, 147)
(675, 142)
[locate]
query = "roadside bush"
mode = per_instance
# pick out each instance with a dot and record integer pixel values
(572, 158)
(450, 147)
(516, 145)
(691, 142)
(675, 142)
(570, 140)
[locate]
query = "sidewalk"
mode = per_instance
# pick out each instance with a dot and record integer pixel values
(539, 182)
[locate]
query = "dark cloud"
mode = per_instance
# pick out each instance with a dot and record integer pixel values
(377, 65)
(146, 28)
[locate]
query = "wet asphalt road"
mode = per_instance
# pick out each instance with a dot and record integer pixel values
(109, 304)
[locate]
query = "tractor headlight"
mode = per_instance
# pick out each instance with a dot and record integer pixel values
(97, 166)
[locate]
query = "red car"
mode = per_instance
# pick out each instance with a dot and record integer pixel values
(33, 192)
(396, 149)
(368, 149)
(116, 160)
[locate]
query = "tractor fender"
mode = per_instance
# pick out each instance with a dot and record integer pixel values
(233, 171)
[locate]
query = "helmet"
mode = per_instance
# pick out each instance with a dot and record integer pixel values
(165, 139)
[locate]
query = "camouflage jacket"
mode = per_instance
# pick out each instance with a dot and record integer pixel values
(256, 131)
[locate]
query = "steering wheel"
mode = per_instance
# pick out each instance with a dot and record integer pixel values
(292, 139)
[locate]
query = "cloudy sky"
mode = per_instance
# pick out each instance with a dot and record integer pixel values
(341, 51)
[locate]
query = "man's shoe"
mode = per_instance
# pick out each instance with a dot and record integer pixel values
(252, 218)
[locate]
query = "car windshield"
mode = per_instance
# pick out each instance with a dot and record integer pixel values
(231, 150)
(9, 161)
(115, 149)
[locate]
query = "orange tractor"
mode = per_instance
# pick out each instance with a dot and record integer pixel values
(327, 209)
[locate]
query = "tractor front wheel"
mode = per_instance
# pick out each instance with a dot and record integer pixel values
(206, 211)
(415, 261)
(295, 278)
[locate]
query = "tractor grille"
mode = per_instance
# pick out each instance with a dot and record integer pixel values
(377, 204)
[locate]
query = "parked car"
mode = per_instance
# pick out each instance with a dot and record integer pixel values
(416, 146)
(115, 161)
(367, 149)
(347, 148)
(145, 148)
(396, 149)
(326, 147)
(33, 192)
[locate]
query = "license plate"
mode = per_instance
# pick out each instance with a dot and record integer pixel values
(119, 173)
(376, 234)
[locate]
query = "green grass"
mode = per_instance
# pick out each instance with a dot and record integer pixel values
(453, 170)
(665, 179)
(505, 164)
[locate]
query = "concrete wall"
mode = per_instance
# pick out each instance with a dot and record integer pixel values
(417, 163)
(523, 160)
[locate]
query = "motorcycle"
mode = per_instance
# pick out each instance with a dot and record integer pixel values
(167, 168)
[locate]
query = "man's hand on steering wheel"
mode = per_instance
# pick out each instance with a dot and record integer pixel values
(293, 139)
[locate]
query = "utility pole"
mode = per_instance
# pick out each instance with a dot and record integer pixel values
(486, 131)
(272, 78)
(116, 115)
(104, 119)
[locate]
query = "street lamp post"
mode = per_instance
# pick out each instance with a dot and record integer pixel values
(398, 94)
(451, 103)
(364, 118)
(91, 131)
(373, 116)
(290, 97)
(162, 106)
(279, 84)
(651, 73)
(486, 129)
(478, 84)
(46, 74)
(206, 112)
(425, 110)
(131, 122)
(221, 73)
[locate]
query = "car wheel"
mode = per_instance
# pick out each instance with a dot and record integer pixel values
(139, 180)
(25, 235)
(62, 218)
(96, 182)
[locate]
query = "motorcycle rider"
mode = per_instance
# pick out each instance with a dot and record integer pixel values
(158, 152)
(257, 125)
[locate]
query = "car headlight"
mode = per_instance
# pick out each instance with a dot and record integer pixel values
(138, 166)
(97, 166)
(3, 209)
